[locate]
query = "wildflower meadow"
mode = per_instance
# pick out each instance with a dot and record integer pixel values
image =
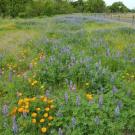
(67, 75)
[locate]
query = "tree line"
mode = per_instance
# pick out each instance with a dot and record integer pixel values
(31, 8)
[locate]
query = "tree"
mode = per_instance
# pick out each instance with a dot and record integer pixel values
(4, 7)
(17, 6)
(78, 5)
(95, 6)
(118, 7)
(63, 7)
(132, 10)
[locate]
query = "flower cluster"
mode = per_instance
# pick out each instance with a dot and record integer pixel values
(39, 109)
(32, 81)
(11, 66)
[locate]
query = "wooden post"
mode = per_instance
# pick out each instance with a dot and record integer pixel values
(111, 16)
(119, 17)
(133, 18)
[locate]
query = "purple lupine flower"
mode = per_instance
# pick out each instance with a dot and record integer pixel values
(47, 93)
(59, 114)
(66, 80)
(98, 64)
(5, 110)
(117, 111)
(133, 60)
(14, 126)
(73, 122)
(108, 52)
(100, 101)
(60, 132)
(114, 90)
(74, 87)
(78, 101)
(102, 89)
(66, 97)
(5, 113)
(97, 120)
(112, 79)
(70, 85)
(52, 59)
(120, 104)
(10, 75)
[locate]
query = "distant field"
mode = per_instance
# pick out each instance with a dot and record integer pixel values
(67, 75)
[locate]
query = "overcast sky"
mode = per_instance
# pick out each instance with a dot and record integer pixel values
(128, 3)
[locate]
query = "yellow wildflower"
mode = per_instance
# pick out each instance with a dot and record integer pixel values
(43, 129)
(26, 110)
(43, 98)
(46, 115)
(47, 109)
(89, 97)
(34, 121)
(20, 109)
(26, 99)
(33, 99)
(42, 120)
(50, 101)
(50, 118)
(38, 109)
(51, 106)
(20, 102)
(34, 115)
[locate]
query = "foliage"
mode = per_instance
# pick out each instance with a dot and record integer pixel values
(96, 6)
(78, 5)
(75, 76)
(30, 8)
(118, 7)
(4, 8)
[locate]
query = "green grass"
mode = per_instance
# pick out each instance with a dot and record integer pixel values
(68, 56)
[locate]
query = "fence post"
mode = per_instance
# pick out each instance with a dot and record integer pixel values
(119, 17)
(111, 16)
(133, 18)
